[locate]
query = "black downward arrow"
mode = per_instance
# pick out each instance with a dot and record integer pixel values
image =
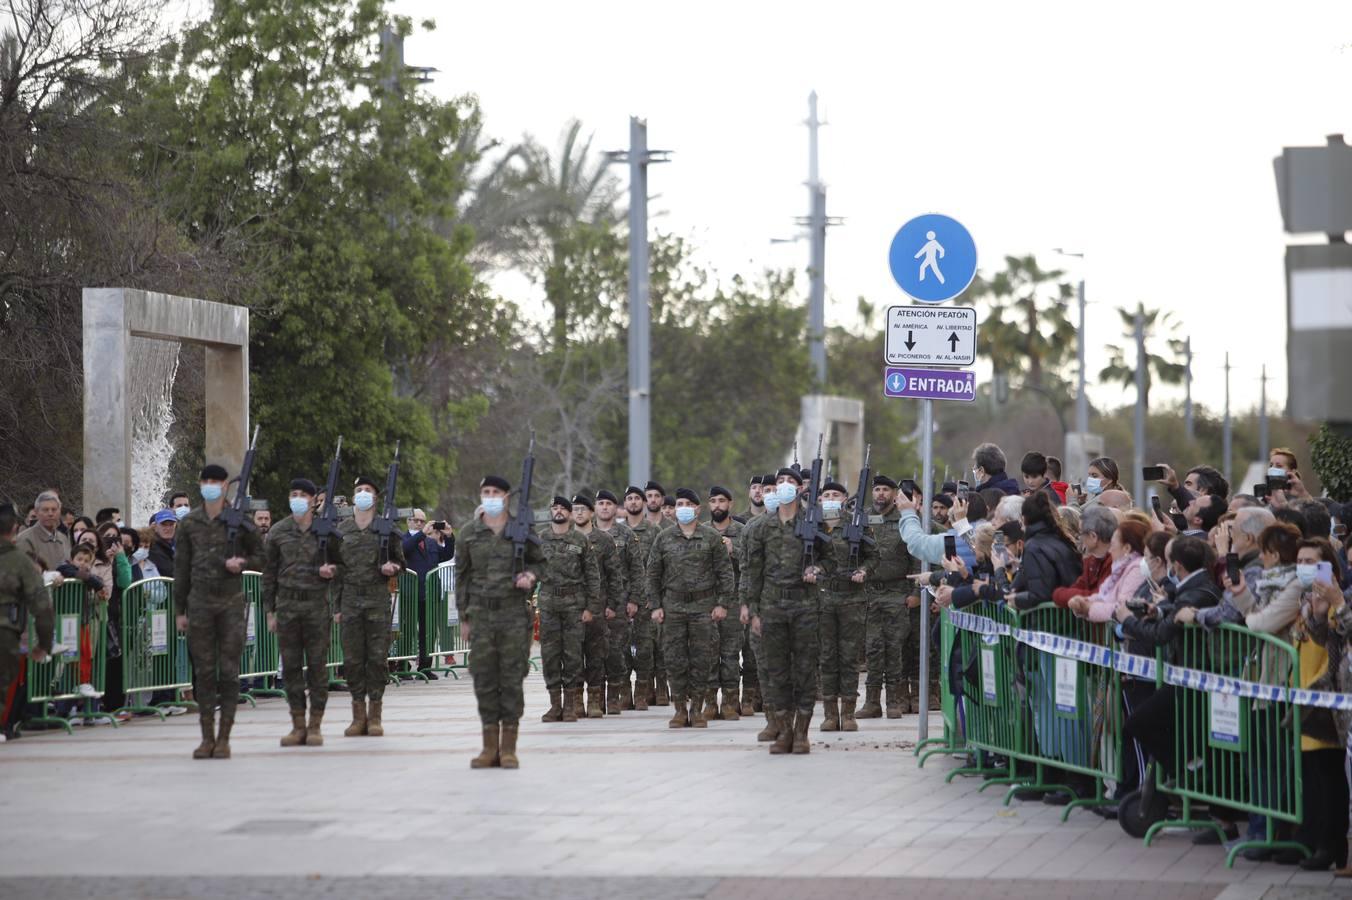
(953, 342)
(910, 342)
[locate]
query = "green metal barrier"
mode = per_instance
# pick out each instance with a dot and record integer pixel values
(443, 622)
(952, 743)
(260, 661)
(990, 710)
(1240, 753)
(334, 661)
(80, 630)
(148, 644)
(404, 630)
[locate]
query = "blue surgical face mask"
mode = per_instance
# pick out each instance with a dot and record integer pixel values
(771, 500)
(299, 505)
(1277, 472)
(182, 511)
(493, 506)
(685, 514)
(141, 555)
(1306, 573)
(1093, 485)
(210, 493)
(831, 509)
(787, 492)
(363, 500)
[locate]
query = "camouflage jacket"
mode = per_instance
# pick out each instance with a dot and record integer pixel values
(22, 594)
(690, 573)
(774, 564)
(359, 581)
(572, 575)
(631, 562)
(293, 561)
(734, 533)
(895, 562)
(485, 573)
(839, 552)
(200, 551)
(609, 567)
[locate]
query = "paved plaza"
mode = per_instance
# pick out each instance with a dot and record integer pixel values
(615, 807)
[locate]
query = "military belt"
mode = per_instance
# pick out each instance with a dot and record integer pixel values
(690, 596)
(561, 592)
(843, 585)
(495, 603)
(302, 594)
(791, 593)
(890, 584)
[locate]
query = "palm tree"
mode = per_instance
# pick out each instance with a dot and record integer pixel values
(1167, 370)
(1026, 327)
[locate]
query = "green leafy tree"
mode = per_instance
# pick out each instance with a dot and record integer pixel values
(1025, 329)
(1165, 369)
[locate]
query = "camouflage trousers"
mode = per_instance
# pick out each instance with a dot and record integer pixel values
(216, 631)
(659, 654)
(617, 648)
(365, 634)
(499, 658)
(639, 658)
(790, 645)
(595, 648)
(729, 635)
(751, 662)
(888, 631)
(304, 631)
(688, 642)
(842, 636)
(757, 646)
(561, 634)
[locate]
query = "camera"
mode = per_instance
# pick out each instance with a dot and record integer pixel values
(1152, 473)
(438, 526)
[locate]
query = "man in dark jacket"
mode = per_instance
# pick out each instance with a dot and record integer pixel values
(425, 548)
(1152, 725)
(988, 467)
(165, 524)
(1050, 558)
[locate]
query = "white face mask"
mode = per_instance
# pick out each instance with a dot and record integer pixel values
(140, 555)
(1306, 572)
(771, 500)
(831, 509)
(787, 492)
(363, 500)
(1145, 570)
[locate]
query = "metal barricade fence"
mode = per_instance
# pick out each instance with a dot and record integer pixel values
(334, 661)
(443, 622)
(951, 742)
(80, 628)
(404, 628)
(259, 663)
(149, 642)
(988, 709)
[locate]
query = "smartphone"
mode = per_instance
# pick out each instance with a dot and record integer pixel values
(1155, 505)
(950, 547)
(1139, 607)
(1260, 491)
(1075, 488)
(438, 526)
(1275, 483)
(908, 488)
(1153, 473)
(1324, 572)
(963, 490)
(1232, 567)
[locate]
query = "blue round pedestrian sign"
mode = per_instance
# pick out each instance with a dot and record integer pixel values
(933, 258)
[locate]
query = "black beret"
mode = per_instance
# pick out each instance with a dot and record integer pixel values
(633, 489)
(834, 486)
(214, 472)
(304, 484)
(944, 500)
(755, 480)
(768, 480)
(668, 500)
(584, 500)
(949, 487)
(881, 479)
(495, 481)
(791, 472)
(606, 495)
(560, 500)
(654, 486)
(719, 491)
(363, 480)
(687, 494)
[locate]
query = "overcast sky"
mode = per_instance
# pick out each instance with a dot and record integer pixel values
(1141, 134)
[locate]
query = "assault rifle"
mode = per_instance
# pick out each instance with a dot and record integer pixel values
(327, 524)
(236, 515)
(384, 524)
(520, 529)
(854, 531)
(809, 527)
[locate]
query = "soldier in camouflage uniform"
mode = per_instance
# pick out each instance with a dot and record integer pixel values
(493, 602)
(570, 598)
(296, 596)
(889, 624)
(22, 594)
(365, 588)
(641, 658)
(729, 633)
(770, 501)
(690, 585)
(784, 606)
(654, 495)
(625, 605)
(751, 698)
(596, 633)
(209, 600)
(842, 614)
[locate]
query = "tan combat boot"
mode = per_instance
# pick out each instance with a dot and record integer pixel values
(222, 748)
(663, 694)
(650, 690)
(699, 715)
(204, 749)
(679, 718)
(801, 742)
(847, 721)
(783, 733)
(748, 707)
(594, 708)
(571, 699)
(627, 695)
(555, 713)
(896, 701)
(640, 695)
(488, 756)
(374, 727)
(771, 728)
(872, 708)
(359, 721)
(614, 699)
(730, 710)
(507, 749)
(830, 714)
(313, 736)
(710, 706)
(296, 737)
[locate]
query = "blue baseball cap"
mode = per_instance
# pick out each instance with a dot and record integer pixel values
(164, 515)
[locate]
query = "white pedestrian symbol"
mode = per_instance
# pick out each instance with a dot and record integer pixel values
(928, 251)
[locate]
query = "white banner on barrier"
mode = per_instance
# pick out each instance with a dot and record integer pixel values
(988, 683)
(159, 632)
(70, 635)
(250, 624)
(1225, 713)
(394, 619)
(1067, 678)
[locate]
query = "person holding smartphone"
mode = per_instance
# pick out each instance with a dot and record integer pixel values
(427, 545)
(1326, 620)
